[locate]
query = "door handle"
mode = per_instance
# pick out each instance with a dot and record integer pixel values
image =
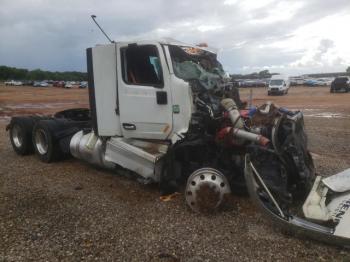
(128, 126)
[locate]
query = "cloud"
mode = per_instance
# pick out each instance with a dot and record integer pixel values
(324, 56)
(293, 36)
(324, 46)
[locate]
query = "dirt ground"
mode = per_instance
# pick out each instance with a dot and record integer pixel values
(72, 211)
(25, 100)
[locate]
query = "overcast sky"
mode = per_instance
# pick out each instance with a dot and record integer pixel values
(294, 37)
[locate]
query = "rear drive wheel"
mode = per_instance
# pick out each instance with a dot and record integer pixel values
(46, 148)
(20, 136)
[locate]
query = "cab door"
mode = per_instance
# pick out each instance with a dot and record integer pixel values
(144, 93)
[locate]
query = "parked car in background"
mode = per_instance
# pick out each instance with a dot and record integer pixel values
(44, 84)
(252, 83)
(36, 83)
(69, 84)
(13, 83)
(83, 84)
(340, 83)
(296, 81)
(311, 82)
(279, 84)
(61, 84)
(40, 84)
(325, 81)
(27, 82)
(317, 82)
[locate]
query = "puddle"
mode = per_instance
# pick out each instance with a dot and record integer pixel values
(317, 113)
(327, 115)
(39, 105)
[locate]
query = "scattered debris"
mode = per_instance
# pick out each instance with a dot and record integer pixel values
(78, 187)
(167, 198)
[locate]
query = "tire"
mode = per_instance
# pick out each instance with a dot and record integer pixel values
(268, 93)
(331, 90)
(45, 146)
(20, 130)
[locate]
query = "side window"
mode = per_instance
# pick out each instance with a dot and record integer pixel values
(141, 65)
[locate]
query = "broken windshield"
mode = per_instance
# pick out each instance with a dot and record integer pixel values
(192, 63)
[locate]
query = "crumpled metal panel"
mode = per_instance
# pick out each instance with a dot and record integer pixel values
(339, 182)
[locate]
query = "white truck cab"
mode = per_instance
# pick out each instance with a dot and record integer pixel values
(279, 84)
(142, 97)
(143, 90)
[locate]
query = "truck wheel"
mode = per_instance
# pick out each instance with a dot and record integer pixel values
(20, 136)
(268, 93)
(46, 148)
(206, 189)
(331, 90)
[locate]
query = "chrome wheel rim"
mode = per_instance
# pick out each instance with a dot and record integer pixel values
(17, 137)
(206, 181)
(41, 141)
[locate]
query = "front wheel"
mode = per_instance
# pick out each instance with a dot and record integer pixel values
(46, 148)
(206, 189)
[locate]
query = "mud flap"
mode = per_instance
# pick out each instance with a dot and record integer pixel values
(300, 227)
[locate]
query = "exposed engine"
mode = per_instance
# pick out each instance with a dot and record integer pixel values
(223, 131)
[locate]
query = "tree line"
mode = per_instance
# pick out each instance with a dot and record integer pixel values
(267, 74)
(13, 73)
(255, 75)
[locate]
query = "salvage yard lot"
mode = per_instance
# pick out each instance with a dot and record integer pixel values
(72, 211)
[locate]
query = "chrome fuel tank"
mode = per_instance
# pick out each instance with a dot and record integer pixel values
(90, 148)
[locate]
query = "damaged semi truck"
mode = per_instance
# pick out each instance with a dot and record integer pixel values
(164, 110)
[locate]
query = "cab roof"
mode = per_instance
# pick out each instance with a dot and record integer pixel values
(171, 41)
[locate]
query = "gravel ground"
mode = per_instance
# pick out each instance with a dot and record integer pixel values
(72, 211)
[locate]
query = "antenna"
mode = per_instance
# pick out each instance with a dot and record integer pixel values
(93, 18)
